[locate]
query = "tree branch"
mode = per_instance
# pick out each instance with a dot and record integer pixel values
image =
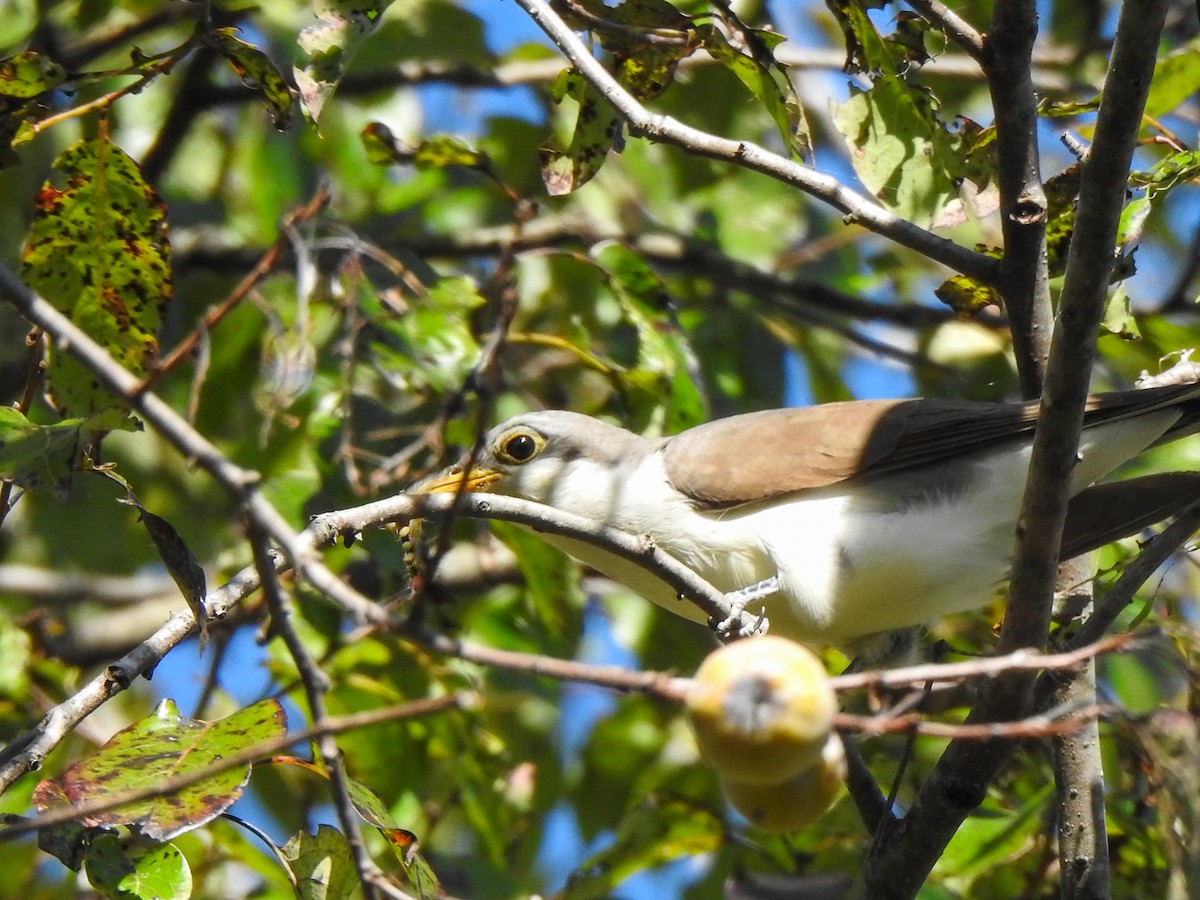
(959, 781)
(664, 129)
(1024, 281)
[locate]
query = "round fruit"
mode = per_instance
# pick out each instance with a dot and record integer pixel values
(799, 801)
(762, 709)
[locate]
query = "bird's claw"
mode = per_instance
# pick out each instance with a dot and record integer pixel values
(738, 601)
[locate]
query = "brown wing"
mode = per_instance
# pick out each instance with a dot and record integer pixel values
(814, 447)
(1105, 513)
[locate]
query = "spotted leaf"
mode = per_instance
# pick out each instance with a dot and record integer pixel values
(98, 250)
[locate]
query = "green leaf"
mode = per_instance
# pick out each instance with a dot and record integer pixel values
(322, 865)
(665, 360)
(255, 69)
(149, 752)
(38, 457)
(900, 150)
(1119, 319)
(596, 130)
(767, 80)
(431, 347)
(28, 74)
(1181, 168)
(866, 49)
(162, 873)
(1176, 80)
(98, 250)
(329, 45)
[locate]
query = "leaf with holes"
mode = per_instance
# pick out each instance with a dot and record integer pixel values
(597, 130)
(98, 250)
(329, 45)
(149, 753)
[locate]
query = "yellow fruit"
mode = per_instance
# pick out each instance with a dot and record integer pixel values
(797, 802)
(762, 709)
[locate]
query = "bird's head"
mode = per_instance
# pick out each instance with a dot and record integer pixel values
(546, 456)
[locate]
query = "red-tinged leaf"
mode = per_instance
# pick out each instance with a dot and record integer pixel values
(256, 70)
(420, 875)
(148, 753)
(98, 250)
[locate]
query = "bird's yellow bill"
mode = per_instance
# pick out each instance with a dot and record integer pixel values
(454, 480)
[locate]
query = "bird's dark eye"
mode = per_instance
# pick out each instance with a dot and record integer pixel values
(520, 447)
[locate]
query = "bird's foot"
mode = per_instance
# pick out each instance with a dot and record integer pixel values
(738, 601)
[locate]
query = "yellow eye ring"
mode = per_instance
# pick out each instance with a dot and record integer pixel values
(519, 446)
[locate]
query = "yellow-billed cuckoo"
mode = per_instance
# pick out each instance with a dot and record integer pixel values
(865, 517)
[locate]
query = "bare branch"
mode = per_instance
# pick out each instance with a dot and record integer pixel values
(1024, 280)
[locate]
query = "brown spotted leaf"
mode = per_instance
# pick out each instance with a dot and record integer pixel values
(645, 67)
(149, 753)
(597, 129)
(98, 250)
(29, 74)
(255, 69)
(181, 563)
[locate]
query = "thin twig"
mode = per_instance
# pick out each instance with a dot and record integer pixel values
(316, 684)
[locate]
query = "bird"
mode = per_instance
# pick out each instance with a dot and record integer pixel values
(852, 523)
